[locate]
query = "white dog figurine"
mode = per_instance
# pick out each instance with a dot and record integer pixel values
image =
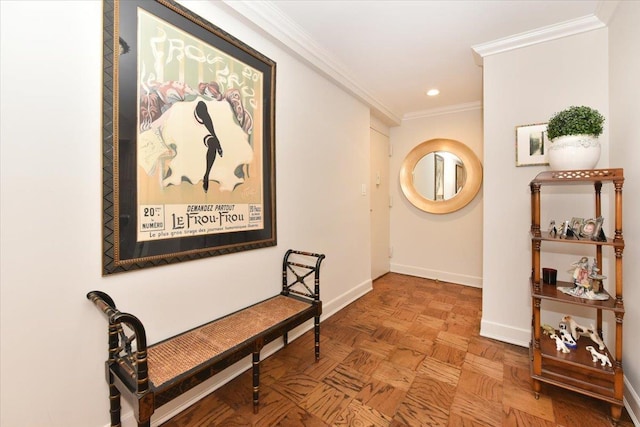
(560, 345)
(578, 330)
(595, 337)
(595, 356)
(567, 339)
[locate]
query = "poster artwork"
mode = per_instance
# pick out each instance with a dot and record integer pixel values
(199, 142)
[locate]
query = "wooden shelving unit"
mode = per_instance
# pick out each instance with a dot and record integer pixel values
(575, 370)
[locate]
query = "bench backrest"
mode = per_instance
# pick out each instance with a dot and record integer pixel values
(297, 267)
(121, 351)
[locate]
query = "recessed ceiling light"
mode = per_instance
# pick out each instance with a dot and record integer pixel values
(433, 92)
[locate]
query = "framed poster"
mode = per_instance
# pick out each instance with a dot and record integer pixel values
(188, 138)
(531, 145)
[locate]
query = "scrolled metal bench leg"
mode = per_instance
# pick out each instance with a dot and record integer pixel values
(256, 381)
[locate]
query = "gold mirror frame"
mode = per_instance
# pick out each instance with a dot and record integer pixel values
(472, 166)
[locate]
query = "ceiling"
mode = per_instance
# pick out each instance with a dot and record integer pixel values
(389, 53)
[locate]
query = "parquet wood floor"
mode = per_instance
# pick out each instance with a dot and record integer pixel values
(408, 353)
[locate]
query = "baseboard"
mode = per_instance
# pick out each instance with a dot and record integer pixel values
(332, 307)
(189, 398)
(632, 402)
(443, 276)
(522, 337)
(504, 333)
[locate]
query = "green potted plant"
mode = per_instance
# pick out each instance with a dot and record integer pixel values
(574, 133)
(575, 121)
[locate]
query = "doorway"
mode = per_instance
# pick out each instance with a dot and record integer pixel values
(379, 203)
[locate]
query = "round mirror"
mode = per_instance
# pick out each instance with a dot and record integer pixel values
(441, 176)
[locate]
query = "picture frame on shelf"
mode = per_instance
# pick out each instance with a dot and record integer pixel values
(591, 228)
(188, 138)
(532, 145)
(576, 225)
(588, 228)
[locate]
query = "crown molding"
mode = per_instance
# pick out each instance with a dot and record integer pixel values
(539, 35)
(449, 109)
(269, 18)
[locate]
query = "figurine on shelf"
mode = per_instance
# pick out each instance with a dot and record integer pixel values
(595, 356)
(583, 281)
(566, 337)
(548, 329)
(553, 231)
(595, 277)
(581, 273)
(560, 345)
(595, 337)
(577, 331)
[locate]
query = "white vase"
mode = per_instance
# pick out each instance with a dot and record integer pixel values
(574, 152)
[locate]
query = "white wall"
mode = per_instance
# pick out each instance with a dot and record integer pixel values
(54, 342)
(624, 45)
(526, 86)
(445, 247)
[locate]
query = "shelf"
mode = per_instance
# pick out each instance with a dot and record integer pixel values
(616, 243)
(587, 379)
(576, 369)
(550, 292)
(579, 356)
(579, 176)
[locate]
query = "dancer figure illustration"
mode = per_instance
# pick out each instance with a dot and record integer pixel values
(211, 141)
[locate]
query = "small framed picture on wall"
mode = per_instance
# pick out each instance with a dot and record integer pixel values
(532, 145)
